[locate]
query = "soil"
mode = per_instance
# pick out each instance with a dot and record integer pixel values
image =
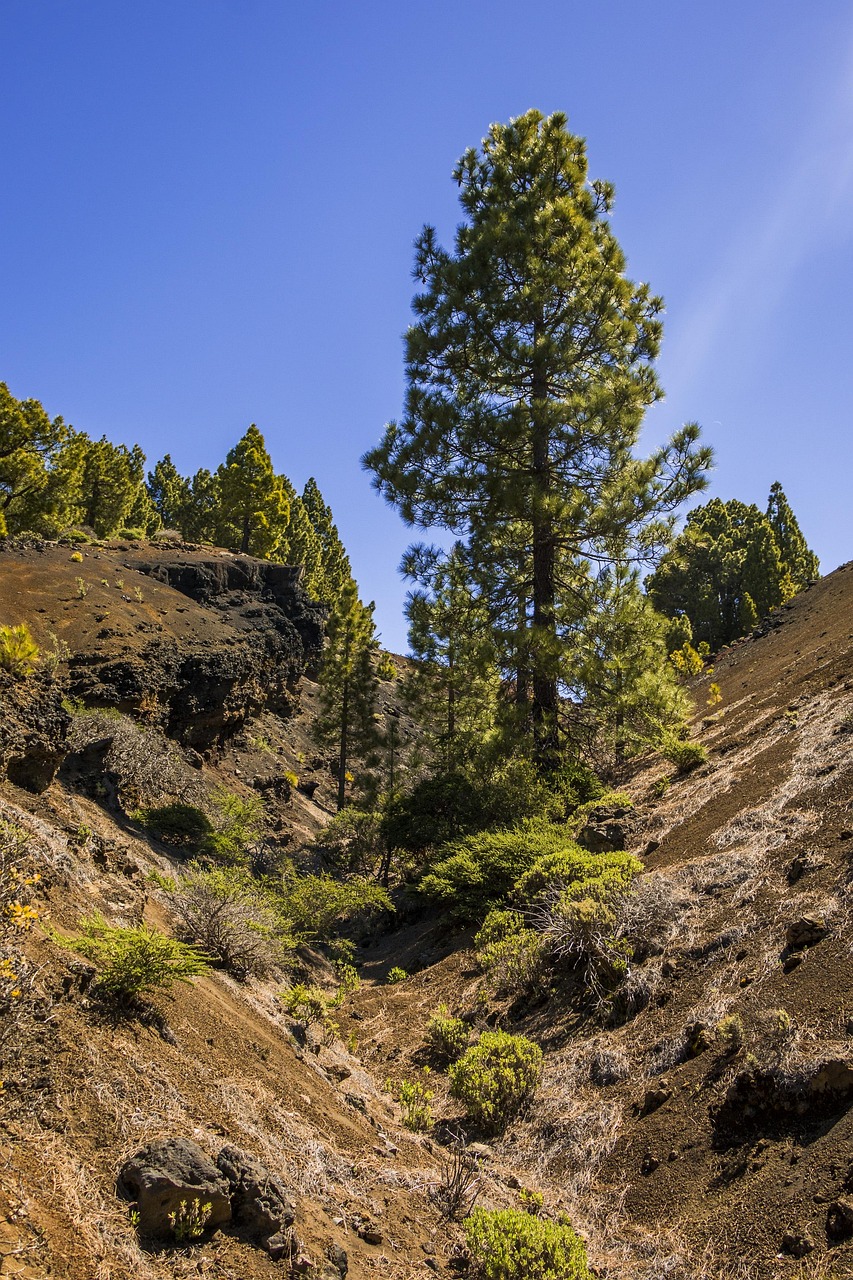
(702, 1129)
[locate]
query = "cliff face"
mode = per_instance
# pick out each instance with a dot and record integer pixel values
(197, 642)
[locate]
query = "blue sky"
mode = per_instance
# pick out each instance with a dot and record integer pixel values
(208, 208)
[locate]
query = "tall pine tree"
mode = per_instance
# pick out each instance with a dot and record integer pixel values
(252, 511)
(801, 563)
(334, 572)
(348, 684)
(529, 368)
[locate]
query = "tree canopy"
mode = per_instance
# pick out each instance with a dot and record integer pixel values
(529, 368)
(730, 566)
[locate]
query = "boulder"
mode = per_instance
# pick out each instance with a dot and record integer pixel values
(839, 1219)
(166, 1173)
(260, 1203)
(805, 932)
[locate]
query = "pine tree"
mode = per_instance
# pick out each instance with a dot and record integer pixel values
(348, 685)
(723, 572)
(626, 685)
(252, 504)
(301, 544)
(453, 687)
(529, 368)
(335, 571)
(802, 564)
(29, 444)
(170, 493)
(102, 482)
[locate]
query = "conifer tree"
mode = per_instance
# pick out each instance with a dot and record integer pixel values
(252, 509)
(348, 685)
(102, 482)
(724, 572)
(29, 444)
(626, 686)
(453, 687)
(335, 571)
(170, 493)
(801, 563)
(301, 544)
(529, 368)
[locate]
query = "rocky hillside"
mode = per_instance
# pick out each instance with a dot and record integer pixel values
(698, 1124)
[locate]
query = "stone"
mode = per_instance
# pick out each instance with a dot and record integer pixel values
(796, 1244)
(839, 1219)
(805, 932)
(835, 1076)
(166, 1173)
(260, 1204)
(655, 1098)
(338, 1258)
(649, 1163)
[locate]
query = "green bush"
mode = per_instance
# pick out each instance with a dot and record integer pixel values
(446, 1035)
(515, 963)
(182, 825)
(396, 975)
(237, 827)
(511, 1244)
(134, 963)
(414, 1099)
(352, 840)
(19, 654)
(684, 755)
(130, 535)
(306, 1005)
(436, 810)
(316, 906)
(496, 1076)
(499, 924)
(602, 876)
(480, 871)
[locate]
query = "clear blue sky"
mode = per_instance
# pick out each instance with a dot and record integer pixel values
(208, 207)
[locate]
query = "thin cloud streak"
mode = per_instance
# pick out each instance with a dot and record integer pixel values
(810, 206)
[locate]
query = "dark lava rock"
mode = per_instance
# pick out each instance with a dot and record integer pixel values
(797, 1245)
(260, 1204)
(33, 729)
(166, 1173)
(839, 1219)
(805, 932)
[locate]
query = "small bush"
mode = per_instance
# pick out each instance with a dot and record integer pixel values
(602, 875)
(352, 840)
(396, 975)
(317, 906)
(496, 1077)
(19, 654)
(76, 557)
(131, 535)
(515, 963)
(134, 963)
(306, 1005)
(446, 1035)
(730, 1031)
(82, 588)
(182, 825)
(237, 827)
(414, 1099)
(511, 1244)
(684, 755)
(480, 871)
(498, 925)
(230, 917)
(348, 981)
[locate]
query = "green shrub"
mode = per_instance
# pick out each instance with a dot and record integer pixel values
(511, 1244)
(414, 1099)
(131, 535)
(396, 975)
(182, 825)
(317, 906)
(76, 557)
(136, 962)
(352, 840)
(237, 827)
(480, 871)
(499, 924)
(348, 981)
(602, 876)
(446, 1035)
(496, 1076)
(436, 810)
(19, 654)
(306, 1005)
(514, 963)
(684, 755)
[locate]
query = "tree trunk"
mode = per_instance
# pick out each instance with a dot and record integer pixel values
(342, 751)
(544, 682)
(247, 533)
